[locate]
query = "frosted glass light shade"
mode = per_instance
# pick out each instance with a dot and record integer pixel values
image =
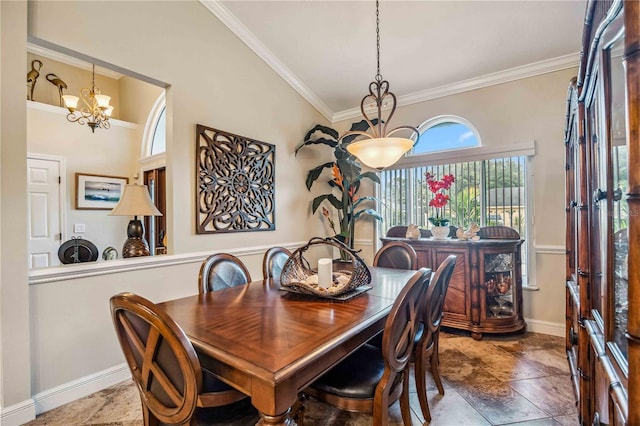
(380, 152)
(103, 100)
(135, 201)
(70, 101)
(108, 111)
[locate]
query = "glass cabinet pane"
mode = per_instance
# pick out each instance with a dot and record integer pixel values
(499, 283)
(619, 211)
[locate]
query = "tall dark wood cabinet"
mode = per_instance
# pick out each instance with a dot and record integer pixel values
(602, 141)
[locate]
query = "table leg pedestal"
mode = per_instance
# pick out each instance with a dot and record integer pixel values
(279, 420)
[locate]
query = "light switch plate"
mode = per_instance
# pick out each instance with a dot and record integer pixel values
(78, 228)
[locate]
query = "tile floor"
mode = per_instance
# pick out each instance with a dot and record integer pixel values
(517, 380)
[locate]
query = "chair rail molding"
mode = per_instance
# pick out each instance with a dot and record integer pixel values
(92, 269)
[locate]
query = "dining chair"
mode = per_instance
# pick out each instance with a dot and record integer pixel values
(396, 255)
(273, 262)
(165, 368)
(426, 347)
(220, 271)
(372, 378)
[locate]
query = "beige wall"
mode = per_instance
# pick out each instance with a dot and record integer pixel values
(65, 324)
(14, 294)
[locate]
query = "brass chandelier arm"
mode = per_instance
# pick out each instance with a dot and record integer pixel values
(356, 132)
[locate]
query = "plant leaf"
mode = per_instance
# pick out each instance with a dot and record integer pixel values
(363, 199)
(324, 129)
(314, 174)
(331, 141)
(330, 198)
(370, 175)
(371, 212)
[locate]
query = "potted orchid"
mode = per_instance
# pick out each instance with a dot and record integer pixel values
(440, 228)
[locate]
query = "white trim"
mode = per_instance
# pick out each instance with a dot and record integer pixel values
(517, 73)
(70, 60)
(153, 162)
(84, 270)
(447, 118)
(246, 36)
(63, 111)
(84, 386)
(530, 287)
(149, 128)
(363, 242)
(546, 327)
(540, 249)
(466, 154)
(18, 414)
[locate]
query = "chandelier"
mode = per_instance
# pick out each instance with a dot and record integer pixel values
(379, 150)
(96, 111)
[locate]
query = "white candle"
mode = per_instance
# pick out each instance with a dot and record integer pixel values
(325, 272)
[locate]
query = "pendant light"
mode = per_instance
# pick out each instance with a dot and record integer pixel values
(379, 149)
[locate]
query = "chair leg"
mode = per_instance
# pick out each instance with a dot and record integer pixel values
(404, 402)
(148, 417)
(435, 370)
(421, 384)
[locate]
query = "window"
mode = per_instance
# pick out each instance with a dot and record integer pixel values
(490, 188)
(444, 133)
(158, 140)
(154, 173)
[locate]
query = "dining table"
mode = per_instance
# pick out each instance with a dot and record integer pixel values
(270, 344)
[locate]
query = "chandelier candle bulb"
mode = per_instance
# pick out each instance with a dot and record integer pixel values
(325, 272)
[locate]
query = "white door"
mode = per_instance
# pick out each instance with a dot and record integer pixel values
(43, 185)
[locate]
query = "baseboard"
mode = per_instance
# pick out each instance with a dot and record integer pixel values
(546, 327)
(18, 414)
(84, 386)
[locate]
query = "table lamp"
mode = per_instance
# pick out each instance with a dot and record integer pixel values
(135, 201)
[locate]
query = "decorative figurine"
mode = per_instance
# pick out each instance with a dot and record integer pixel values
(413, 231)
(469, 234)
(32, 76)
(56, 81)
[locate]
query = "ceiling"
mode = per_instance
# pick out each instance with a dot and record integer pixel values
(327, 49)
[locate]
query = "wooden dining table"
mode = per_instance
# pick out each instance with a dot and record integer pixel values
(271, 344)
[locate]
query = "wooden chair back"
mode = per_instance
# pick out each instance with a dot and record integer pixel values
(273, 261)
(222, 270)
(396, 255)
(162, 361)
(402, 324)
(498, 233)
(397, 232)
(434, 300)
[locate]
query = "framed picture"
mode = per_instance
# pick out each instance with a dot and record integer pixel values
(98, 192)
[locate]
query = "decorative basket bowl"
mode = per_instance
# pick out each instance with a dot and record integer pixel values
(348, 275)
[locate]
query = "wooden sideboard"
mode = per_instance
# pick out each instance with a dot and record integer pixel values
(485, 291)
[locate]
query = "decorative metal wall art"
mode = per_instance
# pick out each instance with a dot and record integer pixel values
(235, 183)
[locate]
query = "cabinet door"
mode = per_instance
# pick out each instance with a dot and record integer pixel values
(457, 303)
(618, 216)
(498, 277)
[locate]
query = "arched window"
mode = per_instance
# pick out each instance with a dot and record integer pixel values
(152, 166)
(444, 133)
(154, 137)
(159, 140)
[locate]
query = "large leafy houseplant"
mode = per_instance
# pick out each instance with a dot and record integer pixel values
(346, 177)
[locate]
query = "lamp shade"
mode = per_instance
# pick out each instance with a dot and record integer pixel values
(135, 201)
(379, 153)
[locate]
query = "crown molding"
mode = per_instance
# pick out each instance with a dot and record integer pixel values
(500, 77)
(69, 60)
(512, 74)
(246, 36)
